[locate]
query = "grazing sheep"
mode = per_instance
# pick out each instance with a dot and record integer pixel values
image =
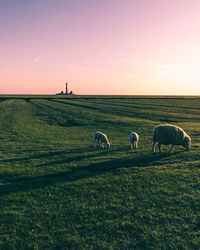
(170, 134)
(133, 140)
(101, 140)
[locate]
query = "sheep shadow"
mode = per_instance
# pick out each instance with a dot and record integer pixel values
(26, 184)
(47, 155)
(68, 155)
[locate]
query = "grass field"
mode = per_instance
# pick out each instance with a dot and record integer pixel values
(58, 192)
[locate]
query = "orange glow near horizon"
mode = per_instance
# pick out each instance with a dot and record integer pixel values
(146, 47)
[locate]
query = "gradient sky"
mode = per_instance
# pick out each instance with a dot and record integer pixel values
(100, 46)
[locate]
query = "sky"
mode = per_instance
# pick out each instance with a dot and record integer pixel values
(129, 47)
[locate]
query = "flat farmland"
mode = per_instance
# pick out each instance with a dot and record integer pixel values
(59, 192)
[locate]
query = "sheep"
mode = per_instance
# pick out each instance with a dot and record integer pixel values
(101, 140)
(170, 134)
(133, 140)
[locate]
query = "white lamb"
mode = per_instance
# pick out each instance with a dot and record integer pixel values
(101, 140)
(133, 140)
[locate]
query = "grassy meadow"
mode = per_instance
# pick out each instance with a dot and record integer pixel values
(59, 192)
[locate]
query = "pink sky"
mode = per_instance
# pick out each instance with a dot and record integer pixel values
(100, 46)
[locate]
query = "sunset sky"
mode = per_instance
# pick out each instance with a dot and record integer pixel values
(135, 47)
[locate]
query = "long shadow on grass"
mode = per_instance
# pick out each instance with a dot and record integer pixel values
(90, 170)
(68, 155)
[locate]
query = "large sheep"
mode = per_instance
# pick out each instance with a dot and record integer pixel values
(167, 134)
(101, 140)
(133, 140)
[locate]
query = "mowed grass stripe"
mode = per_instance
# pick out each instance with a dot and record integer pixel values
(157, 105)
(190, 103)
(85, 117)
(157, 113)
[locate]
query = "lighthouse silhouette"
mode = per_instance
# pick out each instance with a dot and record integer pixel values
(66, 92)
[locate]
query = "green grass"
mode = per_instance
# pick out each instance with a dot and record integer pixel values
(58, 192)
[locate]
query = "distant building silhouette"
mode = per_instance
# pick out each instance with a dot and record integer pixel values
(67, 92)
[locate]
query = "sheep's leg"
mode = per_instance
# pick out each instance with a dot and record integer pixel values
(102, 145)
(159, 147)
(131, 145)
(172, 149)
(135, 146)
(154, 147)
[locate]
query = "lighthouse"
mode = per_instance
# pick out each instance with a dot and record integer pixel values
(66, 89)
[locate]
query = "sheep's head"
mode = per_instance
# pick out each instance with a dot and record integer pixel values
(187, 143)
(107, 144)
